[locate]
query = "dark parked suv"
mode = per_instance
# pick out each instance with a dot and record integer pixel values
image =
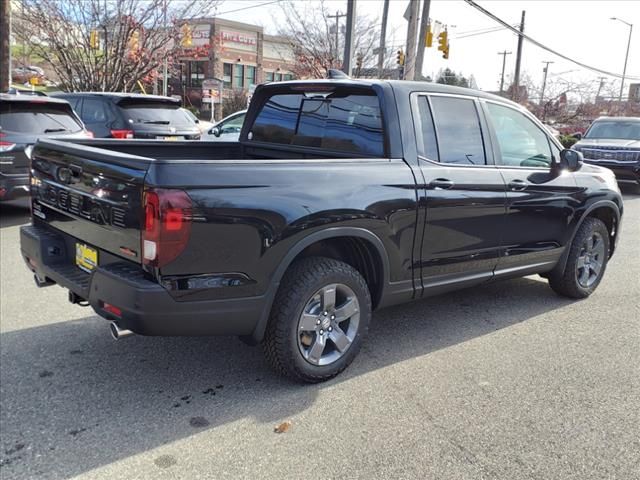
(132, 115)
(614, 142)
(24, 119)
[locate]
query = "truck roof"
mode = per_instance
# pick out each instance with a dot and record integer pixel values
(402, 86)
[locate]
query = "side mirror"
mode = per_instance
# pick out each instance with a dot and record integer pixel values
(577, 135)
(197, 120)
(215, 131)
(570, 159)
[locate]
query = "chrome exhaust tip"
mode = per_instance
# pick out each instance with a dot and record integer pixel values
(117, 333)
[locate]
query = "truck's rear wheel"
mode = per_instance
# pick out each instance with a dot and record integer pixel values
(586, 262)
(318, 321)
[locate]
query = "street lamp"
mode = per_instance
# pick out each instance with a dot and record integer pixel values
(624, 71)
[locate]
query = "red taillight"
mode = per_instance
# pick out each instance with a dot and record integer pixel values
(5, 146)
(122, 134)
(167, 225)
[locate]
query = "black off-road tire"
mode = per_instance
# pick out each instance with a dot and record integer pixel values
(303, 279)
(566, 282)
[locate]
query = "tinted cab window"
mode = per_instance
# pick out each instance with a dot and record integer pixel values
(343, 122)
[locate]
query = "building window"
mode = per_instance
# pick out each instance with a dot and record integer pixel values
(277, 77)
(196, 74)
(268, 76)
(250, 75)
(238, 75)
(287, 76)
(226, 75)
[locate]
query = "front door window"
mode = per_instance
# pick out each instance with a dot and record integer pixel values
(521, 142)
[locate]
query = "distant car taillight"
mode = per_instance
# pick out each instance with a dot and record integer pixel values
(122, 134)
(167, 225)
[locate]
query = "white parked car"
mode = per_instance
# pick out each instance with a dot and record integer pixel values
(227, 129)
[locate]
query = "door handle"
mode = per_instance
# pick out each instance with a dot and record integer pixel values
(517, 185)
(441, 183)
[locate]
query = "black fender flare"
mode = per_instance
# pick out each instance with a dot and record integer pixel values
(601, 203)
(333, 232)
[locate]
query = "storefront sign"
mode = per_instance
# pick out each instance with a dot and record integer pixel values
(236, 37)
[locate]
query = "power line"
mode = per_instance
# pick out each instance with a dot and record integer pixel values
(544, 47)
(247, 8)
(478, 32)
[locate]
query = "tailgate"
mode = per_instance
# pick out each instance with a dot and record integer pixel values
(94, 195)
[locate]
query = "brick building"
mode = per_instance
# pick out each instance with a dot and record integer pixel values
(239, 54)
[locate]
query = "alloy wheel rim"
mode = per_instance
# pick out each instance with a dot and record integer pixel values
(328, 324)
(590, 260)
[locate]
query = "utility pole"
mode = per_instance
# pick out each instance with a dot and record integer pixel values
(504, 62)
(383, 35)
(337, 16)
(410, 65)
(545, 70)
(544, 84)
(626, 58)
(5, 45)
(348, 41)
(424, 22)
(516, 77)
(165, 66)
(599, 88)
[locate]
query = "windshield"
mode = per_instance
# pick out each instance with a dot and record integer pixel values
(157, 114)
(618, 129)
(38, 118)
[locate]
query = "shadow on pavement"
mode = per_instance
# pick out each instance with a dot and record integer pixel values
(74, 400)
(14, 213)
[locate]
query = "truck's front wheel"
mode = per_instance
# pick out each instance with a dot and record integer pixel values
(318, 321)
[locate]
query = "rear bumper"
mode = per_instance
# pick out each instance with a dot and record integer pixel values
(146, 307)
(13, 186)
(624, 172)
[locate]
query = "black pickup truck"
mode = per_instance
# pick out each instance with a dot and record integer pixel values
(340, 197)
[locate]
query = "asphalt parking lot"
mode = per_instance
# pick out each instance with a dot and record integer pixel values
(506, 381)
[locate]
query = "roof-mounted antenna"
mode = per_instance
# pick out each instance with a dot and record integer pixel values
(334, 74)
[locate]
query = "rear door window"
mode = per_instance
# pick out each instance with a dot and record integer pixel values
(344, 122)
(75, 103)
(38, 117)
(458, 130)
(93, 111)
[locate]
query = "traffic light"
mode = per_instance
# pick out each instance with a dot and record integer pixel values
(400, 57)
(443, 44)
(428, 39)
(94, 39)
(187, 36)
(134, 40)
(443, 41)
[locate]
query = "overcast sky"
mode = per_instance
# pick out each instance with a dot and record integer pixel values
(577, 28)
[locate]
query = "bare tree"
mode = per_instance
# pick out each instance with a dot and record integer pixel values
(312, 36)
(107, 45)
